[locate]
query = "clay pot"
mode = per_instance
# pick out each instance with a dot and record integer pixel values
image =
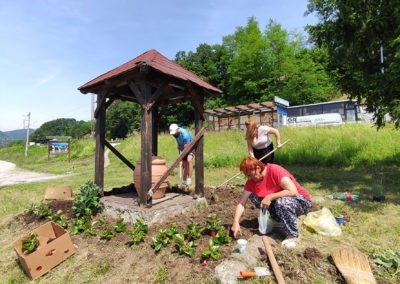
(158, 168)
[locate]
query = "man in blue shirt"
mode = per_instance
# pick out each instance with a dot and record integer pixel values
(183, 138)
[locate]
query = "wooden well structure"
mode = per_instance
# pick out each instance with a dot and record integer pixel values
(154, 82)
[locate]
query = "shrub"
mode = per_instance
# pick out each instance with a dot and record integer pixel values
(87, 201)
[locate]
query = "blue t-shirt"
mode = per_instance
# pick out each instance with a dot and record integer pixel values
(183, 138)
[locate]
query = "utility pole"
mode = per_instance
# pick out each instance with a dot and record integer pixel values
(27, 132)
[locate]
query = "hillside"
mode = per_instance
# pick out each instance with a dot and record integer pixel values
(18, 134)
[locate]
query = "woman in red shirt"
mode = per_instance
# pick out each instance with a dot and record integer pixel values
(273, 187)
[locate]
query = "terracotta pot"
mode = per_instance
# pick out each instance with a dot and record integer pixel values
(158, 168)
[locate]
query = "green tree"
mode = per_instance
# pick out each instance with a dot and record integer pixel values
(79, 129)
(358, 35)
(209, 63)
(121, 118)
(250, 67)
(275, 63)
(58, 127)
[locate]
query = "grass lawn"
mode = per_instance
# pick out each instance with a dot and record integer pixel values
(372, 227)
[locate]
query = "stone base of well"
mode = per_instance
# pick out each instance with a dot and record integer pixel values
(125, 205)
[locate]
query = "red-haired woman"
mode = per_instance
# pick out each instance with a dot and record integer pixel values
(273, 187)
(258, 142)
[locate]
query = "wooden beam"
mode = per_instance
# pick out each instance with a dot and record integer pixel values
(194, 98)
(119, 155)
(183, 154)
(138, 94)
(155, 96)
(100, 104)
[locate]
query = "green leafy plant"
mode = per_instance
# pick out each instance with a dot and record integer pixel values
(138, 233)
(338, 210)
(213, 222)
(120, 225)
(141, 225)
(172, 230)
(30, 243)
(136, 237)
(211, 251)
(42, 209)
(222, 237)
(59, 218)
(164, 236)
(161, 240)
(389, 261)
(83, 224)
(107, 233)
(183, 247)
(162, 274)
(87, 201)
(192, 231)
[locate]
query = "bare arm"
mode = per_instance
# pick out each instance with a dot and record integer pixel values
(250, 149)
(277, 136)
(287, 189)
(238, 213)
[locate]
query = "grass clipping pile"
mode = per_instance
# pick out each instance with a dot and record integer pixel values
(115, 259)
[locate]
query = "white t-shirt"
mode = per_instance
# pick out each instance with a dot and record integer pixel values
(263, 140)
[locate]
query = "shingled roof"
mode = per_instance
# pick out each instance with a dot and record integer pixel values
(155, 60)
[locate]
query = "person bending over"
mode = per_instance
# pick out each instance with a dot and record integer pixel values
(274, 188)
(258, 141)
(183, 138)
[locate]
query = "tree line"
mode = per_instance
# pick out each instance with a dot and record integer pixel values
(353, 50)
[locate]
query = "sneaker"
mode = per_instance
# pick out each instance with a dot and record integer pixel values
(189, 181)
(290, 242)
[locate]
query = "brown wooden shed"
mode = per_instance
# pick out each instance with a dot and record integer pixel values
(154, 82)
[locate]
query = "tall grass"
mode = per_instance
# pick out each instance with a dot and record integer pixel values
(350, 145)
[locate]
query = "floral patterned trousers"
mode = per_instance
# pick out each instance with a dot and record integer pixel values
(285, 210)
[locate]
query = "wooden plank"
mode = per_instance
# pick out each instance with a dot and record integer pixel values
(186, 151)
(119, 155)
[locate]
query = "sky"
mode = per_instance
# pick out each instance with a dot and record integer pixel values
(49, 48)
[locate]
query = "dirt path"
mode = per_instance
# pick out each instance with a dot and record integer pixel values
(10, 174)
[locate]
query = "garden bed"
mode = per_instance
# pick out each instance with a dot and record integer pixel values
(124, 263)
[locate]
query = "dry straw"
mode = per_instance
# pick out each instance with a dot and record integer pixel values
(353, 265)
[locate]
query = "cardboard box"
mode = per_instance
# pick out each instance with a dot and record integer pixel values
(55, 246)
(61, 192)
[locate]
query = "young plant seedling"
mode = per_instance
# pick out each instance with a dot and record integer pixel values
(30, 243)
(183, 247)
(192, 231)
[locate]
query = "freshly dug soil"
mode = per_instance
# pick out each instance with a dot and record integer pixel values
(140, 263)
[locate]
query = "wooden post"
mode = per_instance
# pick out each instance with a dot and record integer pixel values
(146, 145)
(155, 118)
(199, 157)
(100, 138)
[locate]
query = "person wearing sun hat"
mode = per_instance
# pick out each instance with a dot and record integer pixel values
(183, 138)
